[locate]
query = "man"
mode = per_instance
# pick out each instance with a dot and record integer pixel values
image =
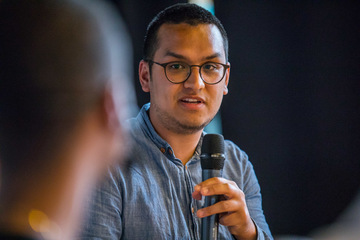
(63, 97)
(186, 71)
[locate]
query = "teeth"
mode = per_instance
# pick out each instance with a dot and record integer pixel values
(191, 100)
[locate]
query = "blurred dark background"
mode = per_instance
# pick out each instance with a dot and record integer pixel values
(293, 103)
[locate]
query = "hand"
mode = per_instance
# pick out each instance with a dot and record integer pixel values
(232, 208)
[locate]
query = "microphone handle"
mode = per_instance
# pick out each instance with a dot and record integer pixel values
(210, 224)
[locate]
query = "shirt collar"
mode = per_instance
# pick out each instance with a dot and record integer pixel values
(164, 147)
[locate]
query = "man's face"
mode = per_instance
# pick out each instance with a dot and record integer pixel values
(187, 107)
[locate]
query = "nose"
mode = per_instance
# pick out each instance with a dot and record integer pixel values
(194, 81)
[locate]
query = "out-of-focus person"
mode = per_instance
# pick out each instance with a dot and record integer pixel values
(64, 93)
(346, 227)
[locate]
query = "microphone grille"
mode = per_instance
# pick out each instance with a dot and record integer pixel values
(213, 144)
(212, 152)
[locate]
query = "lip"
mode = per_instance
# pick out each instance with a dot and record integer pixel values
(192, 99)
(192, 102)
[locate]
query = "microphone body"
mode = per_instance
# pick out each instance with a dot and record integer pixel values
(212, 163)
(210, 224)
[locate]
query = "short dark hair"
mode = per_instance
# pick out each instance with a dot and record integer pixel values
(56, 59)
(189, 13)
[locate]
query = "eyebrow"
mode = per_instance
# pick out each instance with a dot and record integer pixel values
(176, 55)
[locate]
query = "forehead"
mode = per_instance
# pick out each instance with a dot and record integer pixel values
(190, 40)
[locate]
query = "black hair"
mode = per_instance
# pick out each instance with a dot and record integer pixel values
(189, 13)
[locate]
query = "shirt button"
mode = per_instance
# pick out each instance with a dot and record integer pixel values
(162, 150)
(171, 152)
(192, 210)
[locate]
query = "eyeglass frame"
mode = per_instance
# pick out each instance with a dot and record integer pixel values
(226, 66)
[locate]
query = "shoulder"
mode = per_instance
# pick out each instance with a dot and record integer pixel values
(138, 120)
(238, 166)
(132, 123)
(234, 152)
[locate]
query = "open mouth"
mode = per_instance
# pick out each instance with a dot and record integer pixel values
(191, 100)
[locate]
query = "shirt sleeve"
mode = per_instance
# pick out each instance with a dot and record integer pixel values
(253, 198)
(104, 215)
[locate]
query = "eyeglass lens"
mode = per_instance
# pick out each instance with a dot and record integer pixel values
(210, 72)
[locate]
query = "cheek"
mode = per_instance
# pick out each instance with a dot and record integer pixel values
(217, 100)
(218, 94)
(162, 94)
(168, 90)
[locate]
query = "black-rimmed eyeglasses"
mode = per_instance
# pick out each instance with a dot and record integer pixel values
(178, 72)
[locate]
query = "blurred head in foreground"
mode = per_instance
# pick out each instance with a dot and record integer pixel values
(64, 93)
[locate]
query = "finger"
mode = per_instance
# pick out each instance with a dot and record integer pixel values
(238, 223)
(228, 189)
(197, 195)
(212, 181)
(230, 219)
(241, 216)
(220, 207)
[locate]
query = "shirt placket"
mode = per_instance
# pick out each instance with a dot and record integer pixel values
(194, 223)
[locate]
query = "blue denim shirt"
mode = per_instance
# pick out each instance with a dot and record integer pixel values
(152, 199)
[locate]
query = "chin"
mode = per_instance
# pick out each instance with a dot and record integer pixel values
(192, 127)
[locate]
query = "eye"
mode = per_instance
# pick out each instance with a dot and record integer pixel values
(176, 66)
(210, 66)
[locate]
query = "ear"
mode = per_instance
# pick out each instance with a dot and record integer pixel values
(144, 75)
(227, 77)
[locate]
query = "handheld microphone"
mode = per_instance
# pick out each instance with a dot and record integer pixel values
(212, 162)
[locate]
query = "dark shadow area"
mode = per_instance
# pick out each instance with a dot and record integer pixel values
(293, 105)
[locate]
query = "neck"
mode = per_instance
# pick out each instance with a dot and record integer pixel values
(183, 145)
